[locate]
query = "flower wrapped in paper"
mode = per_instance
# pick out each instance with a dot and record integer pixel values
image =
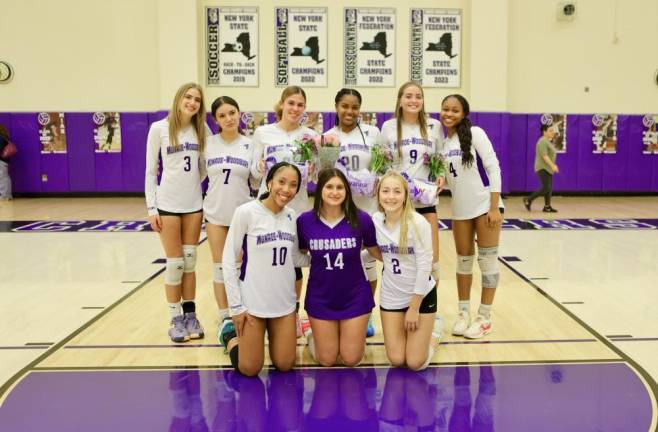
(382, 159)
(328, 151)
(361, 182)
(436, 165)
(422, 191)
(306, 148)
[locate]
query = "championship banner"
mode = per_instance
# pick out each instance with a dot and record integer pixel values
(232, 46)
(435, 47)
(559, 124)
(301, 47)
(369, 42)
(107, 132)
(604, 133)
(650, 134)
(52, 132)
(249, 121)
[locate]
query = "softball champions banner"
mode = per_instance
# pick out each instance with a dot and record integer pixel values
(52, 132)
(232, 46)
(559, 124)
(435, 47)
(369, 43)
(107, 132)
(604, 133)
(301, 47)
(650, 134)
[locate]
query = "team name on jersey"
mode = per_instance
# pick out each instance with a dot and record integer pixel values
(332, 244)
(354, 147)
(275, 148)
(274, 236)
(395, 249)
(183, 147)
(455, 152)
(228, 160)
(416, 141)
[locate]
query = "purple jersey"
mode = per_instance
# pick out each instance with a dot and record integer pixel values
(337, 286)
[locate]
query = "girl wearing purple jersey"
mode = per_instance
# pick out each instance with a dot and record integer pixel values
(356, 143)
(260, 289)
(276, 143)
(228, 158)
(475, 212)
(338, 296)
(175, 205)
(408, 300)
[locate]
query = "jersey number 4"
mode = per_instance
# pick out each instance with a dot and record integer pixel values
(338, 262)
(452, 170)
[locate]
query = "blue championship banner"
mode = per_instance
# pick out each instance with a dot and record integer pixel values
(232, 46)
(301, 47)
(435, 47)
(369, 47)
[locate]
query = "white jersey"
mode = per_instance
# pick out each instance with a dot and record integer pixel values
(228, 166)
(470, 198)
(355, 156)
(179, 190)
(404, 274)
(272, 144)
(264, 284)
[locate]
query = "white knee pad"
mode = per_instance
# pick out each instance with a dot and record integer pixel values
(189, 255)
(174, 271)
(217, 273)
(465, 264)
(488, 262)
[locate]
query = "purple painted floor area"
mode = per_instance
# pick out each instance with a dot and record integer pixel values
(568, 397)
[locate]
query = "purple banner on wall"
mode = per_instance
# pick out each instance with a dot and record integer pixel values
(26, 166)
(81, 163)
(517, 152)
(590, 165)
(134, 130)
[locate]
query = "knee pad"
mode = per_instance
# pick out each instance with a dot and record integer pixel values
(218, 273)
(465, 264)
(174, 271)
(189, 255)
(488, 262)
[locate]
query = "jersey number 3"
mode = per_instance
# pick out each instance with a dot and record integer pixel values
(188, 163)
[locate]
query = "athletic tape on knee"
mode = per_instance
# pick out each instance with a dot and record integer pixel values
(488, 262)
(174, 271)
(218, 273)
(465, 264)
(189, 255)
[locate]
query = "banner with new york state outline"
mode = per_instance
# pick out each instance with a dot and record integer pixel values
(232, 46)
(369, 47)
(301, 47)
(435, 47)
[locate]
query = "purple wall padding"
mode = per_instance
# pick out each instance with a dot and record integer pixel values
(640, 167)
(590, 165)
(26, 165)
(615, 166)
(81, 162)
(134, 130)
(516, 153)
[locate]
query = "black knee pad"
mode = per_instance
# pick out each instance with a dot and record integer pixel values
(298, 273)
(233, 354)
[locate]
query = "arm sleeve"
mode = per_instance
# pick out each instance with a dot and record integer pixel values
(230, 257)
(256, 155)
(424, 253)
(485, 150)
(151, 177)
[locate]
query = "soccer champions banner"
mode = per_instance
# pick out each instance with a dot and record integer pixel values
(369, 42)
(650, 134)
(435, 47)
(107, 132)
(559, 124)
(52, 132)
(232, 46)
(301, 47)
(604, 133)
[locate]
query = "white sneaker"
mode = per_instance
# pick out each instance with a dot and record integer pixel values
(480, 327)
(462, 323)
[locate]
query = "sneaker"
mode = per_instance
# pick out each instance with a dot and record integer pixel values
(178, 331)
(437, 330)
(549, 209)
(526, 203)
(462, 323)
(305, 325)
(193, 326)
(226, 333)
(370, 330)
(480, 327)
(298, 323)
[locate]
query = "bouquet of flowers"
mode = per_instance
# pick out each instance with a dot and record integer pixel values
(361, 182)
(382, 158)
(306, 149)
(328, 150)
(436, 165)
(422, 191)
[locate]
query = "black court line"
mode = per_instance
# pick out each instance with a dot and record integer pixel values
(618, 336)
(632, 339)
(539, 278)
(573, 302)
(39, 343)
(651, 383)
